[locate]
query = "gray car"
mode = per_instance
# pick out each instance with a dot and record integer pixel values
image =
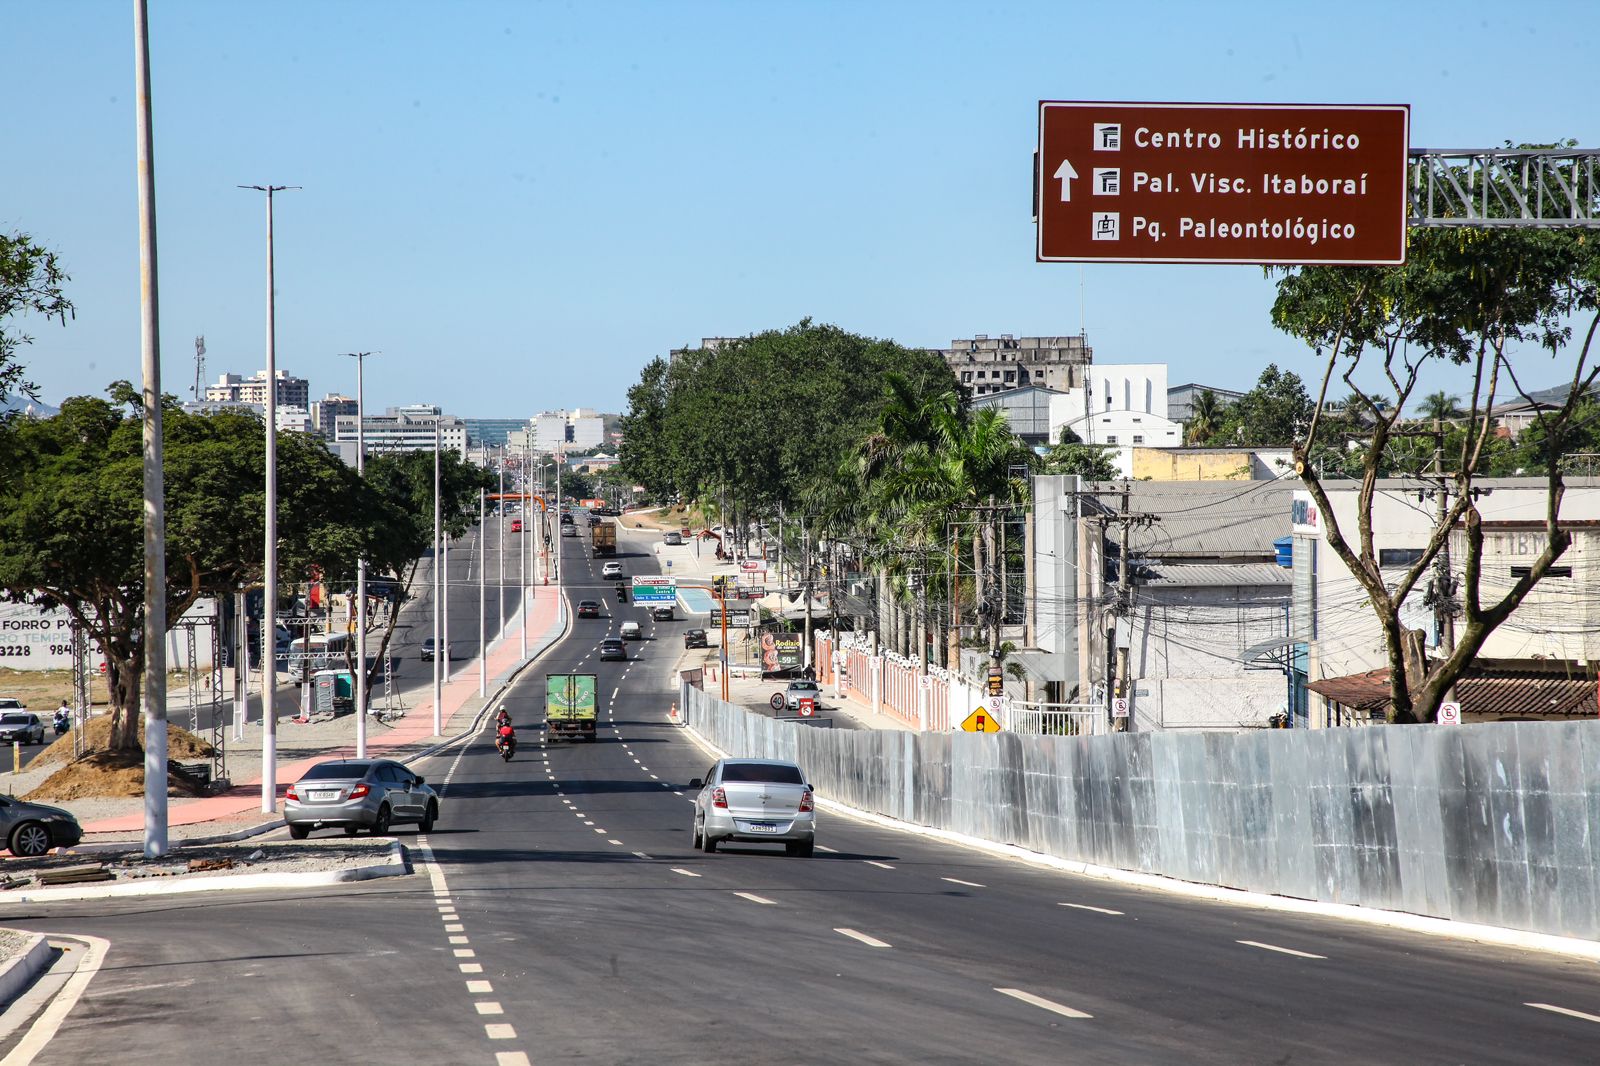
(35, 828)
(357, 794)
(761, 800)
(799, 690)
(21, 725)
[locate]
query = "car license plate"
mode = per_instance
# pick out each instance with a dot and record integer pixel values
(763, 827)
(325, 795)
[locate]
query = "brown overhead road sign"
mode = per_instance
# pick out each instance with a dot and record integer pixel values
(1221, 183)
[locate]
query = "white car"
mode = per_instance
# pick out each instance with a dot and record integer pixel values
(611, 570)
(630, 631)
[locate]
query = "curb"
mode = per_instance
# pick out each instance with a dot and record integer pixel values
(1427, 925)
(19, 973)
(395, 865)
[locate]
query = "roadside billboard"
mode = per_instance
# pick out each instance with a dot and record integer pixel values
(781, 652)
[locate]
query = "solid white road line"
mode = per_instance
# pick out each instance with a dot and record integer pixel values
(753, 898)
(1274, 947)
(1564, 1010)
(1040, 1001)
(879, 865)
(1086, 907)
(489, 1006)
(50, 1019)
(686, 873)
(870, 941)
(958, 881)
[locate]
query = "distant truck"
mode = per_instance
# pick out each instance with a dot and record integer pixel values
(571, 705)
(604, 538)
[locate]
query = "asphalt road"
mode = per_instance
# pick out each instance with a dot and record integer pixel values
(565, 917)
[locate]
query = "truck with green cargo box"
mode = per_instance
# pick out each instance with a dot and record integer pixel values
(571, 705)
(604, 538)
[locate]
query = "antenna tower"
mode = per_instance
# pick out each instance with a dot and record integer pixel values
(199, 367)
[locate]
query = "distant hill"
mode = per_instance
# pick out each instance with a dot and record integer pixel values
(9, 404)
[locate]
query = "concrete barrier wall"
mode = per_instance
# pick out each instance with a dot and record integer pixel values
(1497, 823)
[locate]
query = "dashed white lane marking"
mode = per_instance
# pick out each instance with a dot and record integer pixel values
(480, 988)
(1086, 907)
(471, 967)
(641, 855)
(675, 792)
(614, 692)
(465, 953)
(653, 777)
(459, 940)
(870, 941)
(1040, 1001)
(511, 1058)
(879, 865)
(488, 1006)
(958, 881)
(1564, 1010)
(500, 1031)
(753, 898)
(1274, 947)
(602, 832)
(686, 873)
(588, 822)
(455, 927)
(830, 851)
(618, 843)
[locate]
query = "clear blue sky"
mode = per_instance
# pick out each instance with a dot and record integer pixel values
(520, 204)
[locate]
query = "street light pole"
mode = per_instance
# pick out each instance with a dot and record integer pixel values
(155, 520)
(524, 554)
(438, 680)
(269, 576)
(361, 563)
(483, 596)
(501, 536)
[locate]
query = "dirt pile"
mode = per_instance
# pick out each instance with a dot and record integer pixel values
(103, 774)
(181, 744)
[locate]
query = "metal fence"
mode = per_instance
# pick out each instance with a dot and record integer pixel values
(1056, 719)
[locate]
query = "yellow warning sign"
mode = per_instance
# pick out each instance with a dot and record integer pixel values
(981, 721)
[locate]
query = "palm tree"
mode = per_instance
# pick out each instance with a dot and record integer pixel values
(1204, 417)
(1441, 406)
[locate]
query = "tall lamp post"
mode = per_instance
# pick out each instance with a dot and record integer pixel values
(269, 576)
(438, 680)
(155, 522)
(361, 564)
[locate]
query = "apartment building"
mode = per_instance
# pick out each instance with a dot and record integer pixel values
(237, 389)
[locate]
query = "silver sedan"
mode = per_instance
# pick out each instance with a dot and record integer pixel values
(761, 800)
(357, 794)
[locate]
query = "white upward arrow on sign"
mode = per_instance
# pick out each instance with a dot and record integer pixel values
(1066, 174)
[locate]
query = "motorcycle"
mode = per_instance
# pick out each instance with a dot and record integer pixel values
(506, 746)
(62, 725)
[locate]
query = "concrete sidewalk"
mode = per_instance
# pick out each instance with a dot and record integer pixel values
(459, 705)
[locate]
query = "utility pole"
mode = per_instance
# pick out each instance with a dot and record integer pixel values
(722, 609)
(361, 563)
(269, 576)
(526, 517)
(1443, 592)
(1119, 684)
(805, 538)
(155, 519)
(438, 679)
(483, 596)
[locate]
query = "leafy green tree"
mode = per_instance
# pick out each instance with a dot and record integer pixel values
(1204, 418)
(1441, 405)
(1465, 298)
(71, 520)
(31, 281)
(1273, 414)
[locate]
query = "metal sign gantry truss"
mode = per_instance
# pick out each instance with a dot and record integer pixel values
(1525, 188)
